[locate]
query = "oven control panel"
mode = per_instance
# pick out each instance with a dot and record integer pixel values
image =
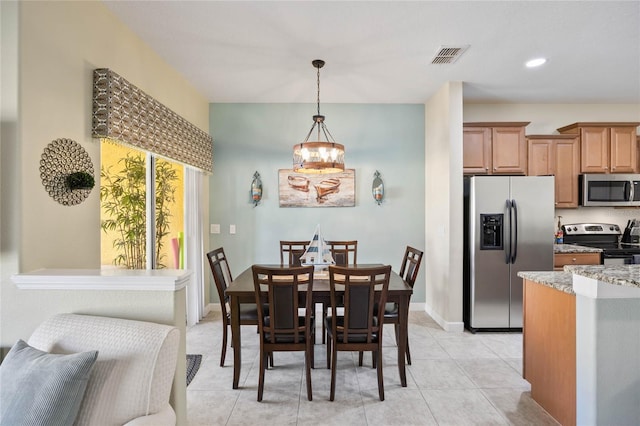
(591, 229)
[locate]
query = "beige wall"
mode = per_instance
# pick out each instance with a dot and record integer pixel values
(546, 118)
(444, 198)
(59, 44)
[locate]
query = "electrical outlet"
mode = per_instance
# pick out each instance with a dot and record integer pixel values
(215, 228)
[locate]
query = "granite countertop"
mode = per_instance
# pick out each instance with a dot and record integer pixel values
(623, 275)
(572, 248)
(559, 280)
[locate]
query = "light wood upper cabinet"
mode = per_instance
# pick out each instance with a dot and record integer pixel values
(557, 155)
(541, 155)
(606, 147)
(495, 148)
(476, 150)
(623, 149)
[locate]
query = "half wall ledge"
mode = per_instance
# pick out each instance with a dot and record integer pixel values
(107, 279)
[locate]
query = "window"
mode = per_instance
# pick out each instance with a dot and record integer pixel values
(127, 239)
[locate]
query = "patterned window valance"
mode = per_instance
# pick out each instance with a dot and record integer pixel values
(123, 112)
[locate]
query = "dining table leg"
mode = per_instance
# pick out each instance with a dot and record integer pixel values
(235, 339)
(403, 313)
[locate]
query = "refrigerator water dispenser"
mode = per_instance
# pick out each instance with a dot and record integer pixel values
(492, 232)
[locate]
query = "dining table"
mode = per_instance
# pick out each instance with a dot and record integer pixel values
(242, 290)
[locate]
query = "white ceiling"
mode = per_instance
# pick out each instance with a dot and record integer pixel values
(381, 51)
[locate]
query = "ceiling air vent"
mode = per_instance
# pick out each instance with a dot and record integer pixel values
(449, 54)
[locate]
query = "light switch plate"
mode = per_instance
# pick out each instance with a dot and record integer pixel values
(232, 229)
(215, 228)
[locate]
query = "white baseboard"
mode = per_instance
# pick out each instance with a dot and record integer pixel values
(449, 326)
(211, 307)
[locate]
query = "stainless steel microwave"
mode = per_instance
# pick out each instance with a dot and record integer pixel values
(609, 190)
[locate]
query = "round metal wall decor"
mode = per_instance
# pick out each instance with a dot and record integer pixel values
(59, 159)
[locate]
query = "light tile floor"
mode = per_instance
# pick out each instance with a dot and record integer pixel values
(454, 379)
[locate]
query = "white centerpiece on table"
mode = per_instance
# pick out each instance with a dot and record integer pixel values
(318, 253)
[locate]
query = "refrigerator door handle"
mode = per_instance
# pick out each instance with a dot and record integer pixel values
(508, 254)
(515, 231)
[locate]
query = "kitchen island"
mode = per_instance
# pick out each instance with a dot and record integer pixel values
(581, 338)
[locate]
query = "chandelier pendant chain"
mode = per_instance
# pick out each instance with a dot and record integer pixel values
(318, 91)
(319, 119)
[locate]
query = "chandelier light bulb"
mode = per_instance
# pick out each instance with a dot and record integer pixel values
(323, 153)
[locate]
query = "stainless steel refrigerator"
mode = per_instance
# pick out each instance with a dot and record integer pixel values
(509, 227)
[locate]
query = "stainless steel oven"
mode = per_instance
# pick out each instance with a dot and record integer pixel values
(605, 236)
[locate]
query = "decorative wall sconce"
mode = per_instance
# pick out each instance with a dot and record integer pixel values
(377, 189)
(256, 189)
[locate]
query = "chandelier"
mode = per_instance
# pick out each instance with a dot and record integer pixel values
(318, 156)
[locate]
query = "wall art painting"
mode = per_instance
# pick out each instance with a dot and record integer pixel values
(317, 190)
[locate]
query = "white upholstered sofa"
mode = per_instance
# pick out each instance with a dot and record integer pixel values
(130, 382)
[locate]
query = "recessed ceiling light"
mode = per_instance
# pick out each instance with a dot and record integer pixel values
(535, 62)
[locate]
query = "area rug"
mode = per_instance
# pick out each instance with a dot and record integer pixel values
(193, 364)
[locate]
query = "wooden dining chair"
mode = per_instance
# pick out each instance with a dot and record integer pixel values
(344, 253)
(282, 328)
(409, 272)
(222, 277)
(290, 252)
(359, 328)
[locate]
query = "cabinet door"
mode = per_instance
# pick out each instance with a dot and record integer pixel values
(509, 150)
(567, 169)
(540, 159)
(594, 146)
(476, 150)
(623, 150)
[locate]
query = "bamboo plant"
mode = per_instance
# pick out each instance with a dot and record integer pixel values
(123, 198)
